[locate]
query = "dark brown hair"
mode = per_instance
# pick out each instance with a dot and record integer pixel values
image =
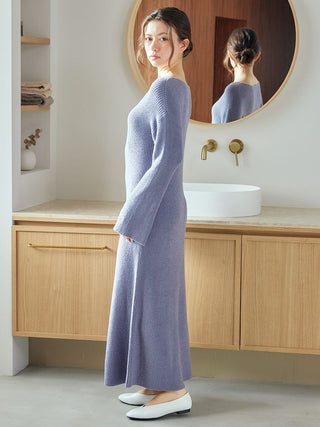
(175, 18)
(244, 46)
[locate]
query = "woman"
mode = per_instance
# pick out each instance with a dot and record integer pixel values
(243, 96)
(148, 343)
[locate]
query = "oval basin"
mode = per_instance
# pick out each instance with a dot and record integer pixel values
(222, 200)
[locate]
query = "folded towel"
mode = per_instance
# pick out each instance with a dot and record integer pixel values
(36, 99)
(36, 91)
(36, 85)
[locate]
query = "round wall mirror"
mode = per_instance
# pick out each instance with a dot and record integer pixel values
(212, 21)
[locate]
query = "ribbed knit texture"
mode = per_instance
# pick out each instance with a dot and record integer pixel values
(148, 341)
(238, 101)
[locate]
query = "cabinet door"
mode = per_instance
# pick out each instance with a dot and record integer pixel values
(280, 303)
(212, 264)
(62, 285)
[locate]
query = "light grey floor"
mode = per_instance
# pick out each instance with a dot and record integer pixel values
(58, 397)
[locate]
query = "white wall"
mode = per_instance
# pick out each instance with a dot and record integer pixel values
(13, 354)
(95, 90)
(93, 94)
(5, 190)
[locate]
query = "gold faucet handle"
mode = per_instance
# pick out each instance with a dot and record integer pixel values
(236, 146)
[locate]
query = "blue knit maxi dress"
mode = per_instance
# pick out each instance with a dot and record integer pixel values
(148, 341)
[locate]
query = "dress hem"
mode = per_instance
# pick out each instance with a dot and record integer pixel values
(149, 386)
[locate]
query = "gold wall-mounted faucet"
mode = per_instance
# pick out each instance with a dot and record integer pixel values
(210, 145)
(236, 146)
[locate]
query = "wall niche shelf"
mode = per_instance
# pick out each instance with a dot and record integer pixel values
(35, 170)
(34, 40)
(41, 41)
(34, 108)
(35, 46)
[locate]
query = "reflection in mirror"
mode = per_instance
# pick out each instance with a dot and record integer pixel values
(243, 96)
(212, 22)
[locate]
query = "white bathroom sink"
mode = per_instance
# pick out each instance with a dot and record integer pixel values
(221, 200)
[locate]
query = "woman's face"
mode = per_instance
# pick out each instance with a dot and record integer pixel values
(158, 45)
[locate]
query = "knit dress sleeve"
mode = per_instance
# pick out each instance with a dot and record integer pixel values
(168, 117)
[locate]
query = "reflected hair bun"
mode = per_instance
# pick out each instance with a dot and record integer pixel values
(246, 56)
(244, 45)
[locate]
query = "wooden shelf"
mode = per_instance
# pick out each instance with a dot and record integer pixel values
(34, 40)
(34, 107)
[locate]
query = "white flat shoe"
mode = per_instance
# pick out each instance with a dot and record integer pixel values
(181, 405)
(137, 399)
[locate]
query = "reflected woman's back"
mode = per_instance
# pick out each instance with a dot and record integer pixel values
(243, 96)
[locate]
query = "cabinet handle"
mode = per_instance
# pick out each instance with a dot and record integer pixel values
(31, 245)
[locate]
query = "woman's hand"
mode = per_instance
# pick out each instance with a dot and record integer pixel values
(128, 238)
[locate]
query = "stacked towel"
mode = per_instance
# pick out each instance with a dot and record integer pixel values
(36, 93)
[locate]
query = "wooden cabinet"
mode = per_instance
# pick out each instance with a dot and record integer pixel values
(212, 263)
(63, 278)
(280, 302)
(62, 281)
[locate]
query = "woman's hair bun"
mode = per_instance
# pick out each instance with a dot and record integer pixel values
(246, 56)
(244, 45)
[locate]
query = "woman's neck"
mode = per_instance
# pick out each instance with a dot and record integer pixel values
(175, 71)
(244, 74)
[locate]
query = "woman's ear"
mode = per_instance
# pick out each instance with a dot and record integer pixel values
(184, 44)
(232, 60)
(230, 56)
(258, 56)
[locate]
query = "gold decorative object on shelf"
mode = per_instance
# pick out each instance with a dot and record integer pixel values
(28, 157)
(31, 140)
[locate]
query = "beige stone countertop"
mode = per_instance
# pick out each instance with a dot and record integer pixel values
(307, 218)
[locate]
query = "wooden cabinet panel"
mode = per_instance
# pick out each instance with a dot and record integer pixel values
(280, 302)
(62, 292)
(212, 264)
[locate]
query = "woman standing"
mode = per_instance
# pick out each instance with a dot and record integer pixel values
(243, 96)
(148, 342)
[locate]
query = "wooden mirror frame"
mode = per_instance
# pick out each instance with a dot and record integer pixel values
(144, 87)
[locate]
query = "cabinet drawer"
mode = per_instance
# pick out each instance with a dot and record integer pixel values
(62, 284)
